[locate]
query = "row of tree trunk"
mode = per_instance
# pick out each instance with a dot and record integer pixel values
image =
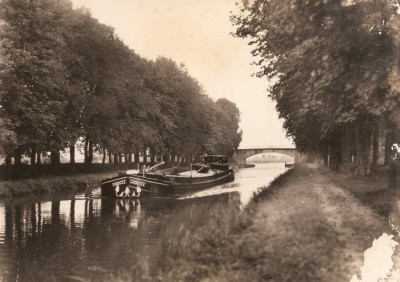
(55, 158)
(360, 145)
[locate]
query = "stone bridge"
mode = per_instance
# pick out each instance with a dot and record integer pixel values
(240, 155)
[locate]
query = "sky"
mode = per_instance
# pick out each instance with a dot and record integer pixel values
(197, 34)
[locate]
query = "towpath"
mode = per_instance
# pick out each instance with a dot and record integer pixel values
(315, 230)
(306, 228)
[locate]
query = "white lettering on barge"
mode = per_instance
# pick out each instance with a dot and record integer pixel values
(119, 183)
(137, 182)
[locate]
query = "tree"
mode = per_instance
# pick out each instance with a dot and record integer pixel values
(34, 79)
(103, 69)
(227, 124)
(178, 112)
(64, 76)
(332, 73)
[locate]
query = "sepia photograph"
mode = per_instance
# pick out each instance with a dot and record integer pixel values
(200, 140)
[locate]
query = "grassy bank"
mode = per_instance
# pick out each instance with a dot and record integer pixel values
(265, 243)
(43, 185)
(229, 248)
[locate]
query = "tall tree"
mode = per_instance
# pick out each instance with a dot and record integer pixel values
(34, 78)
(332, 71)
(228, 124)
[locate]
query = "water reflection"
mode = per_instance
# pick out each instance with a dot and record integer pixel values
(80, 238)
(85, 237)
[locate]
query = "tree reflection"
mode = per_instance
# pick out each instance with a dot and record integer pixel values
(90, 237)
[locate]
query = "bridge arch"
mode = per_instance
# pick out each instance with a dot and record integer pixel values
(241, 155)
(270, 157)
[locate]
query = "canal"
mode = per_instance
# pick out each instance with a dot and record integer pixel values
(85, 237)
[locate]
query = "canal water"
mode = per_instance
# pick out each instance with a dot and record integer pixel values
(85, 237)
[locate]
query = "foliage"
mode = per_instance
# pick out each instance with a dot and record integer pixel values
(33, 76)
(226, 135)
(335, 67)
(7, 137)
(65, 76)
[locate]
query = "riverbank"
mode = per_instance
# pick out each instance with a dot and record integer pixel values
(305, 227)
(43, 185)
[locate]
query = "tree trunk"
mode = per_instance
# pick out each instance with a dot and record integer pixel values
(39, 158)
(363, 143)
(33, 157)
(145, 156)
(55, 160)
(368, 144)
(345, 150)
(152, 158)
(72, 157)
(334, 158)
(375, 141)
(104, 156)
(55, 157)
(116, 161)
(17, 157)
(357, 149)
(33, 162)
(137, 159)
(8, 168)
(85, 152)
(90, 153)
(165, 158)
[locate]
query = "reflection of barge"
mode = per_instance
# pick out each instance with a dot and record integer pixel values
(211, 171)
(138, 213)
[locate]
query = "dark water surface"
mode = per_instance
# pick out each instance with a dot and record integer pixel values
(81, 237)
